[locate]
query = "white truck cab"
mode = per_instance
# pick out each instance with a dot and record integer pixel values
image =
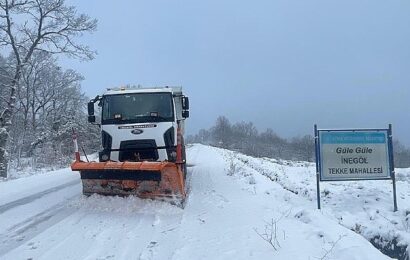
(141, 124)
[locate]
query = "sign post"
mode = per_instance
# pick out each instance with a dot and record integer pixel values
(317, 166)
(354, 154)
(393, 173)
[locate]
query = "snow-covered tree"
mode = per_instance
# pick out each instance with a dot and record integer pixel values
(49, 105)
(28, 27)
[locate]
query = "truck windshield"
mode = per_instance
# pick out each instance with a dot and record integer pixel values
(137, 108)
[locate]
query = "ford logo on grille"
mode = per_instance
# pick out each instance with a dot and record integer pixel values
(137, 131)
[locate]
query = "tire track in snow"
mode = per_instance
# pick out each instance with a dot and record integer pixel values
(26, 226)
(31, 198)
(24, 231)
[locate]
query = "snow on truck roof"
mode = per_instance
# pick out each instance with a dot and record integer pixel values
(138, 89)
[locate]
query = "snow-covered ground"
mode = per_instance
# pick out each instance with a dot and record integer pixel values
(239, 207)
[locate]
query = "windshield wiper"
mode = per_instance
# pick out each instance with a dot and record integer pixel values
(157, 117)
(150, 117)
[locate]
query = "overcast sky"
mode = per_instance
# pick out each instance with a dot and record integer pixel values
(280, 64)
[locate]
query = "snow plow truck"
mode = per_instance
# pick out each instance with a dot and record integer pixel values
(143, 151)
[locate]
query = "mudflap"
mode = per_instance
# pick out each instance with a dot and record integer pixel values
(153, 180)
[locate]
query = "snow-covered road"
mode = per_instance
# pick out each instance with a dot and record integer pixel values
(232, 206)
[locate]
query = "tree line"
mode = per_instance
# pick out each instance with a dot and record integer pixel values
(244, 137)
(41, 102)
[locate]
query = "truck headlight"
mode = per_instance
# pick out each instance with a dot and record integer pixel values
(104, 156)
(173, 156)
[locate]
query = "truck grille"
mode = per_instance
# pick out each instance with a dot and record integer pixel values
(138, 150)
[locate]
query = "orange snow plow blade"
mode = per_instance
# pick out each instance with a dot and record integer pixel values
(143, 179)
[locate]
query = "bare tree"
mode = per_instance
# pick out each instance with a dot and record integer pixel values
(30, 26)
(272, 145)
(401, 155)
(303, 148)
(222, 132)
(244, 137)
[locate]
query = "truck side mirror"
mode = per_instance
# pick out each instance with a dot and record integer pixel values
(91, 119)
(90, 108)
(185, 113)
(185, 103)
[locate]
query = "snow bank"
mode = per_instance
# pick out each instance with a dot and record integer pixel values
(365, 207)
